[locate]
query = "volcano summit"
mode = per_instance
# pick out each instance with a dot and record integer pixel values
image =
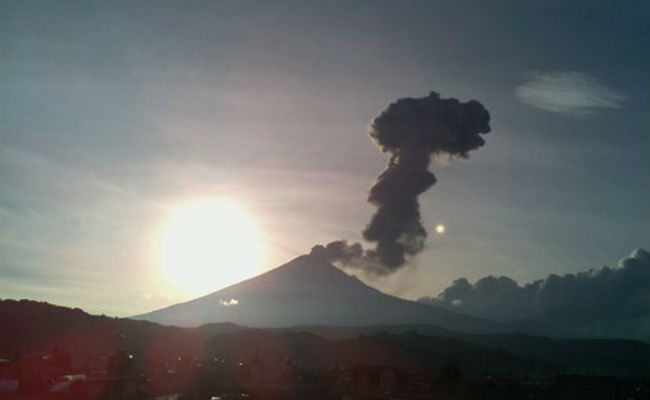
(309, 290)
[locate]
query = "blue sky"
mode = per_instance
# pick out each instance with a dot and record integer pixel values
(113, 112)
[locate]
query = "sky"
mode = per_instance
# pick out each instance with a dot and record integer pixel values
(114, 114)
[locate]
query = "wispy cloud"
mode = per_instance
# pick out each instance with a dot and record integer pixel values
(572, 93)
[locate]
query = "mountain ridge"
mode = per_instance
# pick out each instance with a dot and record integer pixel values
(309, 290)
(37, 328)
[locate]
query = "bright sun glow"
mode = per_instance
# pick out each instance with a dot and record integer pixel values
(440, 229)
(209, 244)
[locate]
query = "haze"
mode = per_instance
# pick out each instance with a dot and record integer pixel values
(113, 115)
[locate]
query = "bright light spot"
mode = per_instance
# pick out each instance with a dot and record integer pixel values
(440, 229)
(231, 302)
(208, 245)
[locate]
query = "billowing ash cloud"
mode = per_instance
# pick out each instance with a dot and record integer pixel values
(411, 131)
(340, 252)
(611, 302)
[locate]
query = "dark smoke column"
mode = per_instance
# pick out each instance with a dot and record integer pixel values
(412, 130)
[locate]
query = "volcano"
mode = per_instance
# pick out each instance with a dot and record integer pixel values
(309, 290)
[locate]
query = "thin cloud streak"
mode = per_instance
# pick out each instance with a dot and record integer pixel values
(571, 93)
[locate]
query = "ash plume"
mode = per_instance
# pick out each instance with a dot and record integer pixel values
(411, 131)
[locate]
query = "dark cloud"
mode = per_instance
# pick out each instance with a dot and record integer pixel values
(411, 131)
(612, 302)
(339, 252)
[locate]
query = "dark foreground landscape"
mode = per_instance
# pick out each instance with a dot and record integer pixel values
(51, 352)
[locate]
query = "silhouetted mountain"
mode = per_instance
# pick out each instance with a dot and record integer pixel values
(410, 351)
(30, 327)
(37, 327)
(311, 291)
(607, 356)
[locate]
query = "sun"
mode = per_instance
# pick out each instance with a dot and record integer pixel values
(209, 244)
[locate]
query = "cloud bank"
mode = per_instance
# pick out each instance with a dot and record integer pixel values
(608, 302)
(571, 93)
